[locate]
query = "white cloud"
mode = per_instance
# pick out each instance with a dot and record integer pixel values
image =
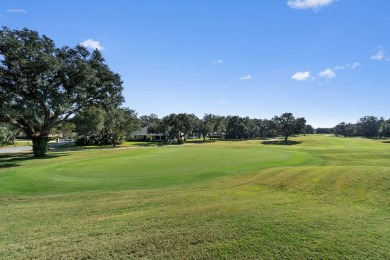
(354, 65)
(306, 4)
(348, 66)
(301, 75)
(92, 44)
(18, 11)
(379, 55)
(327, 73)
(339, 67)
(217, 62)
(247, 77)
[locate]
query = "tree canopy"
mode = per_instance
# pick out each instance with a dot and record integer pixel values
(42, 86)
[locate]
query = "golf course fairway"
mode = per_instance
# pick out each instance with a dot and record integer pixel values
(323, 197)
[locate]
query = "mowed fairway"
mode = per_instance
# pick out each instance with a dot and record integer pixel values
(326, 197)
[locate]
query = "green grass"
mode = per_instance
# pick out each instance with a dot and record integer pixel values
(324, 197)
(19, 142)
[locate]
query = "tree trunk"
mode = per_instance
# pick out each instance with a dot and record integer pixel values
(40, 145)
(113, 140)
(285, 138)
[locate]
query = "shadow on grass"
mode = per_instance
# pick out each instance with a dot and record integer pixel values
(281, 142)
(147, 144)
(200, 141)
(15, 159)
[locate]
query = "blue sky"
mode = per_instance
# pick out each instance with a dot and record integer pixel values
(325, 60)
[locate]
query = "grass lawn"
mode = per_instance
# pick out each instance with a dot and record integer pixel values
(19, 142)
(324, 197)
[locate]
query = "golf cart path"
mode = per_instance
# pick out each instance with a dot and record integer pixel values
(16, 149)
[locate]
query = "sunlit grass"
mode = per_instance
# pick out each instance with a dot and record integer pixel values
(326, 197)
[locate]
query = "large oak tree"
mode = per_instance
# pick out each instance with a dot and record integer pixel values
(42, 86)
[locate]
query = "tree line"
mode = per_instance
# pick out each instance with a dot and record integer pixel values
(367, 126)
(98, 126)
(180, 126)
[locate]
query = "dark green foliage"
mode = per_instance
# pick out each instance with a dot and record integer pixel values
(309, 129)
(237, 128)
(384, 129)
(7, 135)
(120, 123)
(149, 120)
(176, 126)
(346, 130)
(211, 126)
(99, 138)
(368, 126)
(42, 86)
(98, 127)
(90, 120)
(323, 130)
(287, 124)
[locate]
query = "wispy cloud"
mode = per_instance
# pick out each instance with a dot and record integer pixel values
(17, 11)
(300, 76)
(92, 44)
(327, 73)
(380, 54)
(307, 4)
(348, 66)
(247, 77)
(354, 65)
(217, 62)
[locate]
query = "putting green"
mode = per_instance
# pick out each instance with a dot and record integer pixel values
(128, 168)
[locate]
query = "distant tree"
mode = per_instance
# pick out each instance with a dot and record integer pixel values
(309, 129)
(207, 125)
(42, 86)
(344, 129)
(67, 129)
(368, 126)
(384, 129)
(89, 120)
(272, 128)
(148, 120)
(120, 123)
(300, 126)
(321, 130)
(350, 130)
(180, 125)
(236, 127)
(286, 124)
(164, 127)
(188, 124)
(259, 127)
(252, 127)
(340, 129)
(265, 127)
(7, 134)
(220, 125)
